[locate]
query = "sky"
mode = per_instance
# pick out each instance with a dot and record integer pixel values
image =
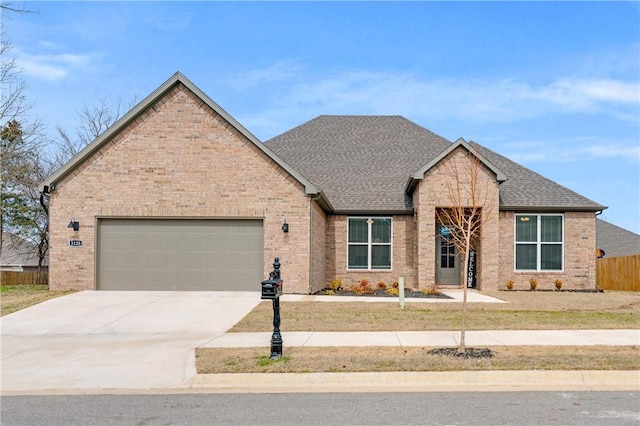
(554, 86)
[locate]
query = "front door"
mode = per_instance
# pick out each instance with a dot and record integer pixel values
(447, 259)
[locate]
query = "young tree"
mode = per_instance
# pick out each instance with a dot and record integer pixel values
(471, 204)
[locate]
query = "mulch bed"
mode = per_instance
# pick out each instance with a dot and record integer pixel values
(382, 293)
(468, 353)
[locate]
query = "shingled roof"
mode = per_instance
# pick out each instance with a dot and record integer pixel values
(362, 164)
(616, 241)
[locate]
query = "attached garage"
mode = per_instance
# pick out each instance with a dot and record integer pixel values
(180, 254)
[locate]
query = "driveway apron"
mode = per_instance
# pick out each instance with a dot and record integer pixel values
(97, 340)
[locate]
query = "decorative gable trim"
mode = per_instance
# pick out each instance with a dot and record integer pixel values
(420, 174)
(167, 86)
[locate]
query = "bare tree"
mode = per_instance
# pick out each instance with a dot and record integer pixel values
(92, 122)
(471, 203)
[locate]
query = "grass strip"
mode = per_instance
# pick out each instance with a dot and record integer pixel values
(385, 359)
(359, 316)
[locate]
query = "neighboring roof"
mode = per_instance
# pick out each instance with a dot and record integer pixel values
(361, 163)
(616, 241)
(460, 143)
(17, 251)
(526, 189)
(139, 109)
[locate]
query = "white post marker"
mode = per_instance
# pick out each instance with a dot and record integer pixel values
(401, 291)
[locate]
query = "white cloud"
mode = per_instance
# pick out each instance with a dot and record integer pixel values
(280, 71)
(296, 96)
(585, 94)
(569, 151)
(53, 66)
(478, 100)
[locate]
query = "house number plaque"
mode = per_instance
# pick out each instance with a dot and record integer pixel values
(75, 243)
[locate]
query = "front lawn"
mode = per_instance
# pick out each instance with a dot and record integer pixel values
(525, 311)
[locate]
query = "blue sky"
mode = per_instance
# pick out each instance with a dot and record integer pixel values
(552, 85)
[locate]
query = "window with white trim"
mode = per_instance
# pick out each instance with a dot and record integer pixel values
(369, 242)
(539, 242)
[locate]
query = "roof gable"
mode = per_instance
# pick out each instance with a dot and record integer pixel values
(18, 251)
(460, 143)
(144, 105)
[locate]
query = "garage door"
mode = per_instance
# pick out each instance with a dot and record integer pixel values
(168, 254)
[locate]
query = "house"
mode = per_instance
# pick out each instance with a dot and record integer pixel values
(616, 241)
(177, 195)
(19, 254)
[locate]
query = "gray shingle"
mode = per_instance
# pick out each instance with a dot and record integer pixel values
(616, 241)
(363, 163)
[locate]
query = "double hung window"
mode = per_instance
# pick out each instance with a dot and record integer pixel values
(369, 243)
(539, 242)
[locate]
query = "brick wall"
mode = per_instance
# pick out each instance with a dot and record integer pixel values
(318, 254)
(179, 159)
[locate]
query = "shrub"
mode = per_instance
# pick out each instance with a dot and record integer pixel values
(533, 283)
(395, 284)
(361, 288)
(393, 291)
(382, 285)
(432, 290)
(510, 284)
(335, 285)
(558, 283)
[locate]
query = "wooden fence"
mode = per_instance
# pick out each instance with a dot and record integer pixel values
(22, 278)
(619, 273)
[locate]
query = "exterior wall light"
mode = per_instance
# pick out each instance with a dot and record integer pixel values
(285, 227)
(75, 225)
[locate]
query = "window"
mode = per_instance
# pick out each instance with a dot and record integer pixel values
(539, 242)
(369, 243)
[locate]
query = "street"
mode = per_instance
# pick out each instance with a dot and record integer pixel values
(459, 408)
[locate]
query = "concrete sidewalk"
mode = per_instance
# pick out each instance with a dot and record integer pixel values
(433, 338)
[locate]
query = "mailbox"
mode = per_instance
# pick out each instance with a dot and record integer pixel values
(271, 289)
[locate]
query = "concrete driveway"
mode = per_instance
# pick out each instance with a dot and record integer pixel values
(114, 340)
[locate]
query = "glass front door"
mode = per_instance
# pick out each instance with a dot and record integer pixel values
(447, 259)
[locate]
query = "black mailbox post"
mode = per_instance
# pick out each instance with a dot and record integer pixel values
(271, 290)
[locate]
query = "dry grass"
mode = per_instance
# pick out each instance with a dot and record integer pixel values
(377, 359)
(525, 311)
(14, 298)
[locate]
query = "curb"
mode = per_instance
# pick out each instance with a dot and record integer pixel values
(445, 381)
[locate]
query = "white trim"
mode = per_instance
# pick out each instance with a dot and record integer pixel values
(369, 244)
(538, 243)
